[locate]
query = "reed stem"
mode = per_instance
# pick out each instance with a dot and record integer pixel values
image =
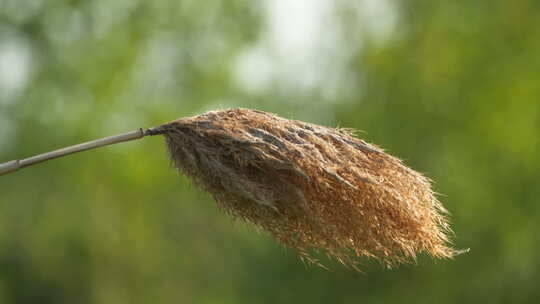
(14, 165)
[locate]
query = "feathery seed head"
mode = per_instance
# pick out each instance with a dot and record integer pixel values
(311, 187)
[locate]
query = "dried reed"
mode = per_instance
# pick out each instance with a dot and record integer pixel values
(313, 188)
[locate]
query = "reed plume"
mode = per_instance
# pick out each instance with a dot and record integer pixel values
(313, 188)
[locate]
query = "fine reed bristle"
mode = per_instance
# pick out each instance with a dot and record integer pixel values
(313, 188)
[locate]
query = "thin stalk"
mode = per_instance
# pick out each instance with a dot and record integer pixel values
(14, 165)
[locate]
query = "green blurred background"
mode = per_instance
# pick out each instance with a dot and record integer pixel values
(451, 87)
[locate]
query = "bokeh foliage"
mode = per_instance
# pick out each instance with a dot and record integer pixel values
(453, 90)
